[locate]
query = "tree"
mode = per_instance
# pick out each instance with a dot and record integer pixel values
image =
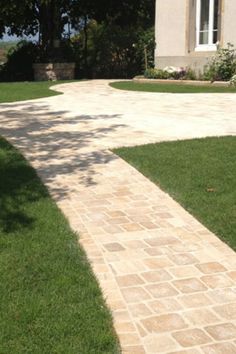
(46, 18)
(118, 29)
(122, 24)
(139, 13)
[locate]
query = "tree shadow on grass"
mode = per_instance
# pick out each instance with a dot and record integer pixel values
(19, 186)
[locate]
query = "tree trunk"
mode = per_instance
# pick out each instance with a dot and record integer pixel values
(50, 27)
(86, 45)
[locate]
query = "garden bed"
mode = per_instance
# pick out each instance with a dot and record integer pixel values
(182, 82)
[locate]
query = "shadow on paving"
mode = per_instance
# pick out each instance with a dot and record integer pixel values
(58, 146)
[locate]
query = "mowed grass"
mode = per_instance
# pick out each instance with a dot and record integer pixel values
(200, 174)
(169, 88)
(20, 91)
(50, 300)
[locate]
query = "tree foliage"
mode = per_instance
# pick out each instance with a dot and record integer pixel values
(109, 30)
(25, 17)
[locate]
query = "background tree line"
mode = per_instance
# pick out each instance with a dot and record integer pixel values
(105, 38)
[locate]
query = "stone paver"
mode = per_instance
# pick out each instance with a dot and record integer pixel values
(169, 282)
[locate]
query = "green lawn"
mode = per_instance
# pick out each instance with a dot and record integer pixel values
(20, 91)
(169, 88)
(50, 300)
(199, 174)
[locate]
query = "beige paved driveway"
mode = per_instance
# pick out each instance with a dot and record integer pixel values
(169, 282)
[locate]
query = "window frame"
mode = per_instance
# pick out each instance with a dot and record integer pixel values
(211, 46)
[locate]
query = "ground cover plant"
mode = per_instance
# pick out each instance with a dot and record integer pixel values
(199, 174)
(50, 300)
(20, 91)
(170, 88)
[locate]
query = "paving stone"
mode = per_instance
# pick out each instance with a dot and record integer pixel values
(124, 327)
(115, 213)
(191, 337)
(185, 271)
(232, 275)
(183, 259)
(223, 295)
(161, 290)
(161, 241)
(141, 330)
(153, 251)
(188, 351)
(122, 316)
(199, 317)
(164, 323)
(133, 244)
(158, 262)
(212, 267)
(114, 247)
(149, 225)
(156, 276)
(222, 331)
(129, 280)
(226, 311)
(135, 294)
(138, 349)
(129, 339)
(165, 305)
(140, 310)
(191, 285)
(219, 348)
(159, 343)
(217, 281)
(195, 300)
(112, 229)
(118, 221)
(132, 227)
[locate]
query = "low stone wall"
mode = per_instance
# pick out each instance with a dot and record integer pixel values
(182, 82)
(54, 71)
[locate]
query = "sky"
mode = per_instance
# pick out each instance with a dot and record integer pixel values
(7, 38)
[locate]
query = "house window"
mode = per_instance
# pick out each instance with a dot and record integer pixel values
(207, 24)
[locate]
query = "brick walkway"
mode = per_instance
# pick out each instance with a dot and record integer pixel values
(169, 282)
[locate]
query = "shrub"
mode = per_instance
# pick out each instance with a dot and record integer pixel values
(113, 51)
(190, 74)
(19, 65)
(233, 81)
(156, 74)
(222, 66)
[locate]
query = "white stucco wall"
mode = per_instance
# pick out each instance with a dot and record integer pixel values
(229, 22)
(176, 43)
(171, 27)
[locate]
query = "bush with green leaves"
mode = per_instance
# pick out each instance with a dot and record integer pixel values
(21, 57)
(222, 66)
(112, 51)
(156, 74)
(233, 81)
(19, 65)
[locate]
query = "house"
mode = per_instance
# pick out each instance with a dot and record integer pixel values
(188, 32)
